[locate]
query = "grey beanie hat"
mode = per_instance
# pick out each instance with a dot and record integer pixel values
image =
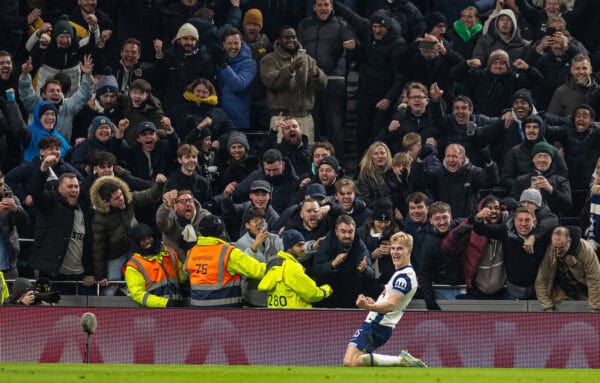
(532, 195)
(238, 138)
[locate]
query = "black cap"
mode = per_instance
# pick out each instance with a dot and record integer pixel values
(316, 191)
(260, 185)
(146, 125)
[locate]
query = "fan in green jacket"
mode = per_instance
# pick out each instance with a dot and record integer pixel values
(285, 282)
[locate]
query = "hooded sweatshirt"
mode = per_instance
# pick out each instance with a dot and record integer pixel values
(38, 132)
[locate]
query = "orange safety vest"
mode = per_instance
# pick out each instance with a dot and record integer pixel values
(211, 284)
(161, 279)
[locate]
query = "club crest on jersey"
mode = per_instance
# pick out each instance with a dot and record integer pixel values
(400, 284)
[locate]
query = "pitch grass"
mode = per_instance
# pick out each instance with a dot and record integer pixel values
(116, 373)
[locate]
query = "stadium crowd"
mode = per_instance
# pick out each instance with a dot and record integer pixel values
(198, 149)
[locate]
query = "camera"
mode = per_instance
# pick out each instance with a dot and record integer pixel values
(52, 297)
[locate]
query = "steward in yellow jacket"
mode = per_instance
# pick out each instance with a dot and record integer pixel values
(152, 273)
(286, 284)
(214, 268)
(3, 288)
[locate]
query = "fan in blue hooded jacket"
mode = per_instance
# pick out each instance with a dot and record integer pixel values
(45, 121)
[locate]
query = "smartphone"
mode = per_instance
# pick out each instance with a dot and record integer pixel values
(263, 227)
(550, 31)
(7, 194)
(301, 52)
(534, 180)
(427, 45)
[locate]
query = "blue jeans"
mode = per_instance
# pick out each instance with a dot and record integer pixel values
(114, 272)
(447, 294)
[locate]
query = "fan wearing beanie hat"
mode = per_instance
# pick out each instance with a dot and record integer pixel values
(286, 283)
(238, 146)
(187, 30)
(215, 267)
(383, 210)
(63, 27)
(107, 83)
(253, 16)
(555, 189)
(529, 197)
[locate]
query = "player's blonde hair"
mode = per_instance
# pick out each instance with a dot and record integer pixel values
(404, 239)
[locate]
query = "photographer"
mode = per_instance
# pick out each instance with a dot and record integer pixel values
(24, 293)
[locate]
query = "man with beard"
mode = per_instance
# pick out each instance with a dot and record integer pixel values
(580, 84)
(292, 79)
(555, 189)
(153, 271)
(518, 159)
(482, 258)
(278, 172)
(178, 218)
(343, 262)
(104, 104)
(458, 182)
(521, 261)
(294, 144)
(80, 14)
(439, 266)
(327, 38)
(236, 71)
(580, 140)
(569, 270)
(180, 65)
(61, 217)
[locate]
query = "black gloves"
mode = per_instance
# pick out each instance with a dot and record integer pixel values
(425, 151)
(486, 156)
(176, 302)
(461, 232)
(432, 305)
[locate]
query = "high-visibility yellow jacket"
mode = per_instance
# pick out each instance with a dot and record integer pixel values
(214, 268)
(3, 289)
(152, 280)
(288, 286)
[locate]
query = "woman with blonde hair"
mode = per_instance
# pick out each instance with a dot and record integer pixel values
(376, 161)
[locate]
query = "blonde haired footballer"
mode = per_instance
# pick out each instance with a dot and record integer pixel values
(386, 312)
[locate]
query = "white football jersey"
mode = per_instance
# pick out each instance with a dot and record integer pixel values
(404, 282)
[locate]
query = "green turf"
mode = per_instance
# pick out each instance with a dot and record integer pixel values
(111, 373)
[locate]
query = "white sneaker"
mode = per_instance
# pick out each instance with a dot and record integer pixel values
(408, 360)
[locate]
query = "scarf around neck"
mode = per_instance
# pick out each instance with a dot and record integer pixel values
(210, 100)
(465, 33)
